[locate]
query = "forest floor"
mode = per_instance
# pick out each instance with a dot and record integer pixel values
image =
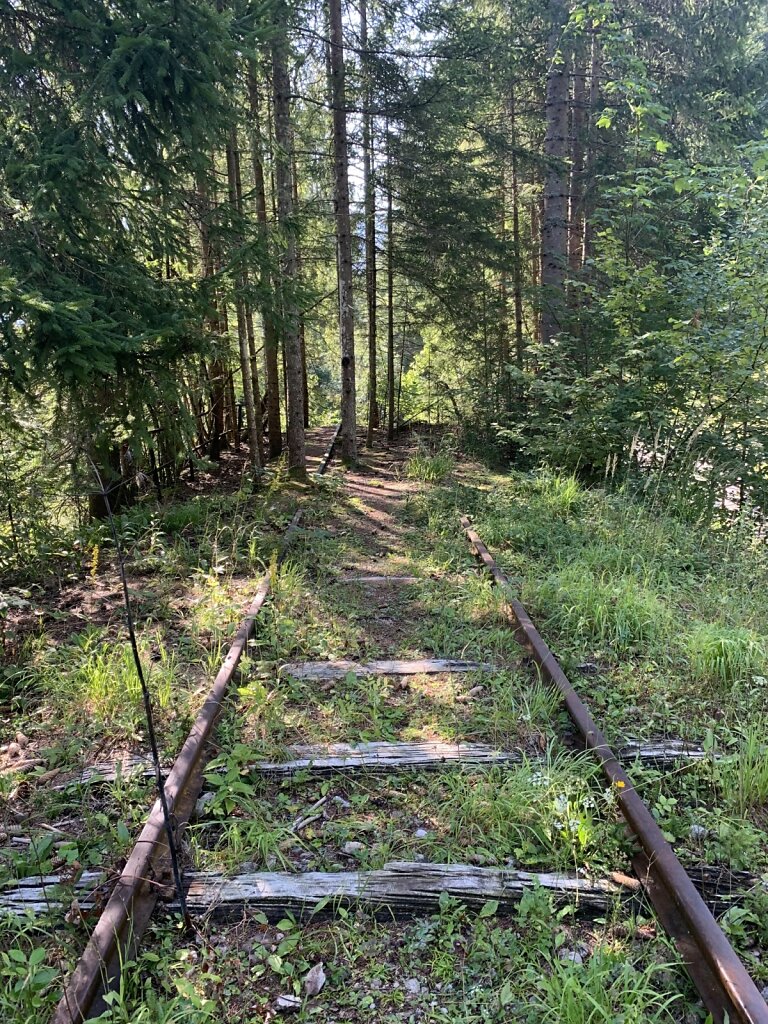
(652, 617)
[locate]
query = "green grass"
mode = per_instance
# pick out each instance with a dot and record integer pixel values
(429, 468)
(671, 617)
(606, 989)
(724, 654)
(610, 612)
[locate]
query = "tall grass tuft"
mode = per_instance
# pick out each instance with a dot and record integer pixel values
(98, 675)
(617, 613)
(604, 990)
(428, 468)
(743, 776)
(724, 654)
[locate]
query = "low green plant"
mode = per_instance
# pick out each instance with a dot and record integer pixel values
(614, 613)
(607, 988)
(25, 984)
(743, 775)
(724, 654)
(541, 812)
(559, 494)
(429, 468)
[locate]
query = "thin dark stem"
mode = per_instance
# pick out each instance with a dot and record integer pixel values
(159, 780)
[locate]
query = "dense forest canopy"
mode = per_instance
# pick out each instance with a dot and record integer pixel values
(224, 221)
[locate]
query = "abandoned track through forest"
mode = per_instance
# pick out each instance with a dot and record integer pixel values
(389, 668)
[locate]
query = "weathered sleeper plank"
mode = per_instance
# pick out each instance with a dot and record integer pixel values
(385, 757)
(662, 753)
(393, 757)
(398, 888)
(339, 669)
(36, 895)
(384, 580)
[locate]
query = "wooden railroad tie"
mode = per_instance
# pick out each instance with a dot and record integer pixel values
(397, 889)
(339, 669)
(381, 757)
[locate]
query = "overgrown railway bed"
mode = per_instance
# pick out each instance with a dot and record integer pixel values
(410, 821)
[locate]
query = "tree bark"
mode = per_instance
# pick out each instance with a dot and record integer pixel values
(369, 192)
(343, 235)
(554, 228)
(252, 418)
(274, 424)
(297, 459)
(216, 371)
(579, 102)
(390, 303)
(517, 271)
(302, 330)
(590, 155)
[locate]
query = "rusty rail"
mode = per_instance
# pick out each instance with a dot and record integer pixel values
(724, 985)
(145, 875)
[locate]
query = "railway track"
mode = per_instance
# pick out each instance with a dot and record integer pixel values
(404, 887)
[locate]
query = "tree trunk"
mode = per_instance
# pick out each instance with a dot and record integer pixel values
(503, 376)
(517, 271)
(302, 330)
(579, 103)
(554, 228)
(249, 398)
(343, 235)
(216, 371)
(297, 459)
(590, 155)
(390, 303)
(369, 192)
(274, 424)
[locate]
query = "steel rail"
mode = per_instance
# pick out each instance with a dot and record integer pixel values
(724, 985)
(145, 875)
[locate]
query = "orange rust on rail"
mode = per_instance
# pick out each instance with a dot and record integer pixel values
(723, 983)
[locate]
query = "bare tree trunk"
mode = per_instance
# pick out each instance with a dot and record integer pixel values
(302, 331)
(274, 424)
(297, 459)
(579, 103)
(503, 376)
(390, 303)
(232, 411)
(590, 156)
(252, 419)
(517, 272)
(216, 373)
(369, 192)
(343, 235)
(554, 228)
(252, 359)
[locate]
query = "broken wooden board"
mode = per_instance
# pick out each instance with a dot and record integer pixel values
(397, 889)
(385, 757)
(339, 669)
(397, 580)
(381, 757)
(664, 753)
(39, 895)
